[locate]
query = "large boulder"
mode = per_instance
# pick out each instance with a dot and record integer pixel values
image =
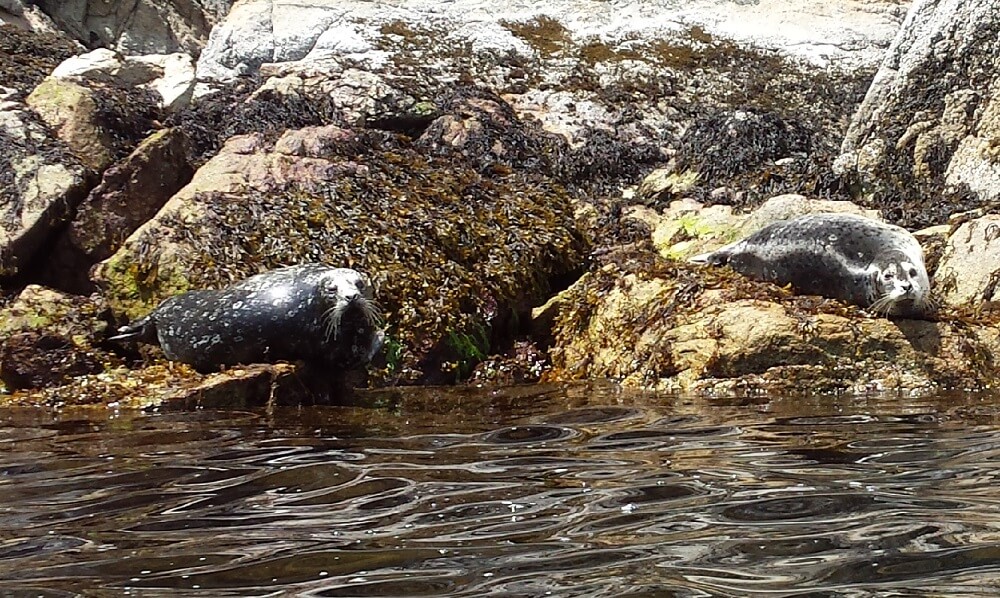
(455, 252)
(41, 183)
(70, 109)
(262, 31)
(102, 105)
(927, 130)
(170, 76)
(142, 27)
(651, 322)
(129, 194)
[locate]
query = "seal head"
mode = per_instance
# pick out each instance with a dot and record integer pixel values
(842, 256)
(315, 313)
(900, 284)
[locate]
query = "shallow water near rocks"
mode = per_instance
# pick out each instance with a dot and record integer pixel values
(533, 491)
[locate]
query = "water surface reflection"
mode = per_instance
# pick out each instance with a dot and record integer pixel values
(580, 491)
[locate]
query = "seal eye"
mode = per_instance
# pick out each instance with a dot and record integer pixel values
(913, 272)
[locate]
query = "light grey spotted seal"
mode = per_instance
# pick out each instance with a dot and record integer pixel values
(322, 315)
(842, 256)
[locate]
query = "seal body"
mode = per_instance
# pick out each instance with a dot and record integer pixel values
(842, 256)
(322, 315)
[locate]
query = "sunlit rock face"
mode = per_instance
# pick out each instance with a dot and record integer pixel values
(969, 272)
(271, 31)
(929, 124)
(143, 27)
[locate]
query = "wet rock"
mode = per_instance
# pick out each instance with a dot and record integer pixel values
(969, 271)
(524, 363)
(40, 184)
(36, 360)
(48, 337)
(167, 386)
(130, 193)
(923, 135)
(252, 386)
(143, 27)
(656, 323)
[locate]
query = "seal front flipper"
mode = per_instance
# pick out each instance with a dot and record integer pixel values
(143, 329)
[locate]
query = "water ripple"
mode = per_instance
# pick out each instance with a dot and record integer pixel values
(531, 491)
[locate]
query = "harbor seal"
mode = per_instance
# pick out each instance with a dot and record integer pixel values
(319, 314)
(842, 256)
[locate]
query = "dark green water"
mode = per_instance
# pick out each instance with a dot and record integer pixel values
(586, 491)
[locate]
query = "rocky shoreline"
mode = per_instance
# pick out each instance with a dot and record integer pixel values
(521, 187)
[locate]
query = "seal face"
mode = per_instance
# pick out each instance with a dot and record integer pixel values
(842, 256)
(311, 312)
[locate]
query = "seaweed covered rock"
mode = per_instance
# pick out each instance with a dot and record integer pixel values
(621, 85)
(41, 182)
(256, 32)
(27, 57)
(129, 194)
(173, 385)
(47, 337)
(923, 143)
(654, 322)
(454, 253)
(99, 113)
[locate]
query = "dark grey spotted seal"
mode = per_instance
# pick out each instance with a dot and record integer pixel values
(842, 256)
(322, 315)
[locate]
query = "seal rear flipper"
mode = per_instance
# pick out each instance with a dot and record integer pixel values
(143, 329)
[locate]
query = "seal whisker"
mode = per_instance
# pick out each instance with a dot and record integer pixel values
(373, 313)
(883, 305)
